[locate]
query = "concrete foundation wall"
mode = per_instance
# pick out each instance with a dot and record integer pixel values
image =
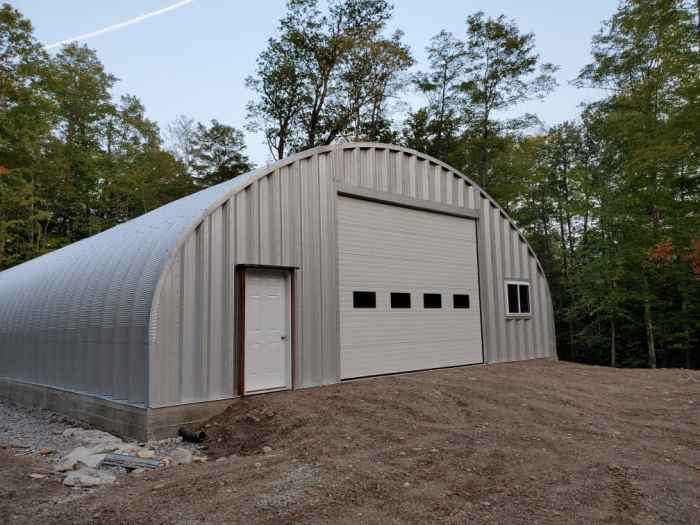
(117, 418)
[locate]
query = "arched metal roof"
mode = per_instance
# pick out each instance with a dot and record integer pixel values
(109, 279)
(106, 280)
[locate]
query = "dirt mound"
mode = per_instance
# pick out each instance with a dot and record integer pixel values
(247, 427)
(532, 442)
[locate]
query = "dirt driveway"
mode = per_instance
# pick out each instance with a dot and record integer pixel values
(532, 442)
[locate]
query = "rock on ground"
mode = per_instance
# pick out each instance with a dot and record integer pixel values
(91, 437)
(181, 456)
(88, 477)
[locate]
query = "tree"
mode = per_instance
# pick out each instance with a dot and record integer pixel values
(72, 160)
(180, 138)
(218, 154)
(81, 89)
(280, 89)
(502, 70)
(441, 85)
(370, 79)
(26, 121)
(647, 56)
(469, 84)
(327, 75)
(137, 175)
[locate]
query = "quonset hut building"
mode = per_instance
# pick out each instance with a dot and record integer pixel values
(340, 262)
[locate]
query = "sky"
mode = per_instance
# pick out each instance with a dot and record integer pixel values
(193, 59)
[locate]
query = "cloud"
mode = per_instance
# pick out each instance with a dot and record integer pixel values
(120, 25)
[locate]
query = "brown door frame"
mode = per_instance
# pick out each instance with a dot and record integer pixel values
(239, 319)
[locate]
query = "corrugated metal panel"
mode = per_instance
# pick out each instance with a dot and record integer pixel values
(78, 318)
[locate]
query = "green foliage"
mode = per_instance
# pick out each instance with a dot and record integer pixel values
(72, 161)
(440, 123)
(469, 84)
(218, 154)
(328, 75)
(609, 202)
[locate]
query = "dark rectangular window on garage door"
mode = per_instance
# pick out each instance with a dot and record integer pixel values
(432, 300)
(364, 299)
(400, 300)
(460, 300)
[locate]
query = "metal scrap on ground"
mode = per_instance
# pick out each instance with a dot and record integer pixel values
(129, 462)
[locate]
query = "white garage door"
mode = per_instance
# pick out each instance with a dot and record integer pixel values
(409, 296)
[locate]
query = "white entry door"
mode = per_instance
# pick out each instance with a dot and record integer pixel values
(267, 360)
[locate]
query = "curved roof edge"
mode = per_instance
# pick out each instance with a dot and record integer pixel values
(271, 168)
(106, 280)
(69, 288)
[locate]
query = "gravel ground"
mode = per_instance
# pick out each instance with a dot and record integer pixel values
(41, 434)
(32, 430)
(519, 443)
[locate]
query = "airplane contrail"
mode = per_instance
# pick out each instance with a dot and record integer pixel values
(120, 25)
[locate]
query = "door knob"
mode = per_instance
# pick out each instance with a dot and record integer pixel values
(283, 337)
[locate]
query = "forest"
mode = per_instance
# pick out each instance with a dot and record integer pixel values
(609, 201)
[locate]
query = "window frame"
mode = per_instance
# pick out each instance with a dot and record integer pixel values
(518, 283)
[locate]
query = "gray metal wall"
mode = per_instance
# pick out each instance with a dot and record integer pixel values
(78, 318)
(143, 313)
(287, 216)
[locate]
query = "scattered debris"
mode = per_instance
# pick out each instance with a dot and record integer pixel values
(129, 462)
(192, 437)
(266, 449)
(34, 475)
(90, 457)
(146, 454)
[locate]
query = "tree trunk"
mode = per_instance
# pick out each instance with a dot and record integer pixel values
(613, 343)
(567, 281)
(686, 332)
(699, 26)
(651, 348)
(484, 161)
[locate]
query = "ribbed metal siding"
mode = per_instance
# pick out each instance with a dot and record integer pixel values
(143, 312)
(78, 318)
(503, 252)
(288, 217)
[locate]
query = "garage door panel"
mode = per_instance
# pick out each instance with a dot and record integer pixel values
(386, 249)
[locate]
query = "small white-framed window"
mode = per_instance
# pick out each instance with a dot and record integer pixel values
(518, 298)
